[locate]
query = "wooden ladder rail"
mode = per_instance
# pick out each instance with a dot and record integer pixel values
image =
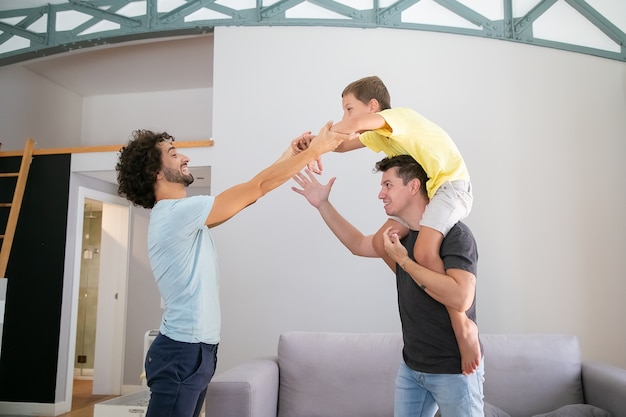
(15, 205)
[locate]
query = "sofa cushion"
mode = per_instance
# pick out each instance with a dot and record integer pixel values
(529, 374)
(490, 410)
(576, 410)
(493, 411)
(338, 374)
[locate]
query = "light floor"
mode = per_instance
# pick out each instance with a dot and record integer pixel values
(83, 400)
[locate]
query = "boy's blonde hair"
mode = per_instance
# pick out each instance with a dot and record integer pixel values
(368, 88)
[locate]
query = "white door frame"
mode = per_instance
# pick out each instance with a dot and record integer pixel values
(111, 316)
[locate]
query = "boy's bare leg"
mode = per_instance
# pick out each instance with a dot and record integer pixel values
(426, 249)
(426, 253)
(379, 244)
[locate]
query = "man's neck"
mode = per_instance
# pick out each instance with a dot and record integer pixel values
(164, 190)
(413, 224)
(413, 215)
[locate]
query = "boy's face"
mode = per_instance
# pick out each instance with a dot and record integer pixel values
(354, 108)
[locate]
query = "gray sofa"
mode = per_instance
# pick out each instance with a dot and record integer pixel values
(352, 375)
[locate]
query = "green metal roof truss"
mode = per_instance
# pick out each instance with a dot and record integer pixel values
(42, 31)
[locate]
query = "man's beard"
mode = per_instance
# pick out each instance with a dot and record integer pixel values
(175, 176)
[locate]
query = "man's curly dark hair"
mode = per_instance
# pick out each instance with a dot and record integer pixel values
(138, 165)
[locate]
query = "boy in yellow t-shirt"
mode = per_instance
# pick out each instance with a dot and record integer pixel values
(369, 117)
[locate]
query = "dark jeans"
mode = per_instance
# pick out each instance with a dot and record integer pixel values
(178, 374)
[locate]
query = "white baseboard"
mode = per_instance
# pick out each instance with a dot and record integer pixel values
(34, 409)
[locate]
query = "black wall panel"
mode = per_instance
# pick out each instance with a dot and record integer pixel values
(30, 340)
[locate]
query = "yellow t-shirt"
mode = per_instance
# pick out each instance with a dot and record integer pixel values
(409, 133)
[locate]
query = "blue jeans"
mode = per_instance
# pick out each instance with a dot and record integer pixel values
(418, 394)
(178, 375)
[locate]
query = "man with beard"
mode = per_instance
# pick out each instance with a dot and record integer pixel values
(152, 173)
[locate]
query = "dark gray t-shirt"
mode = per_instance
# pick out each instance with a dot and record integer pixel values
(429, 342)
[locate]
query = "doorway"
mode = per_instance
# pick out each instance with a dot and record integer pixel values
(101, 262)
(88, 290)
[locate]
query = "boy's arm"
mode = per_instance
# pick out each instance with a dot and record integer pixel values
(233, 200)
(360, 123)
(350, 145)
(352, 126)
(357, 124)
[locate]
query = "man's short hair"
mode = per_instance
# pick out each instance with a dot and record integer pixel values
(408, 169)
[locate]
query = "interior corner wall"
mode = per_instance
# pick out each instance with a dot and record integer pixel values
(542, 132)
(34, 107)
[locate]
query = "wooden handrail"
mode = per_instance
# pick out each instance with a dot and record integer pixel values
(102, 148)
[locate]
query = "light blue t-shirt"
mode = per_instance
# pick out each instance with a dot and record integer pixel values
(184, 263)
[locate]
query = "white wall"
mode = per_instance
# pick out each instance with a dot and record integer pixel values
(33, 107)
(543, 132)
(110, 119)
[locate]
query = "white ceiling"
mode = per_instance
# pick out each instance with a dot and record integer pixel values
(163, 64)
(139, 67)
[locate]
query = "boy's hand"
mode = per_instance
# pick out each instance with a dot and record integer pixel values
(315, 166)
(326, 141)
(301, 142)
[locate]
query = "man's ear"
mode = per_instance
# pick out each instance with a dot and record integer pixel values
(160, 175)
(415, 185)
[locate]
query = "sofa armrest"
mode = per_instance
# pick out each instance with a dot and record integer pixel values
(249, 389)
(604, 386)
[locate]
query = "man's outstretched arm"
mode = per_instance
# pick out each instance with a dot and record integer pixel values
(233, 200)
(317, 195)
